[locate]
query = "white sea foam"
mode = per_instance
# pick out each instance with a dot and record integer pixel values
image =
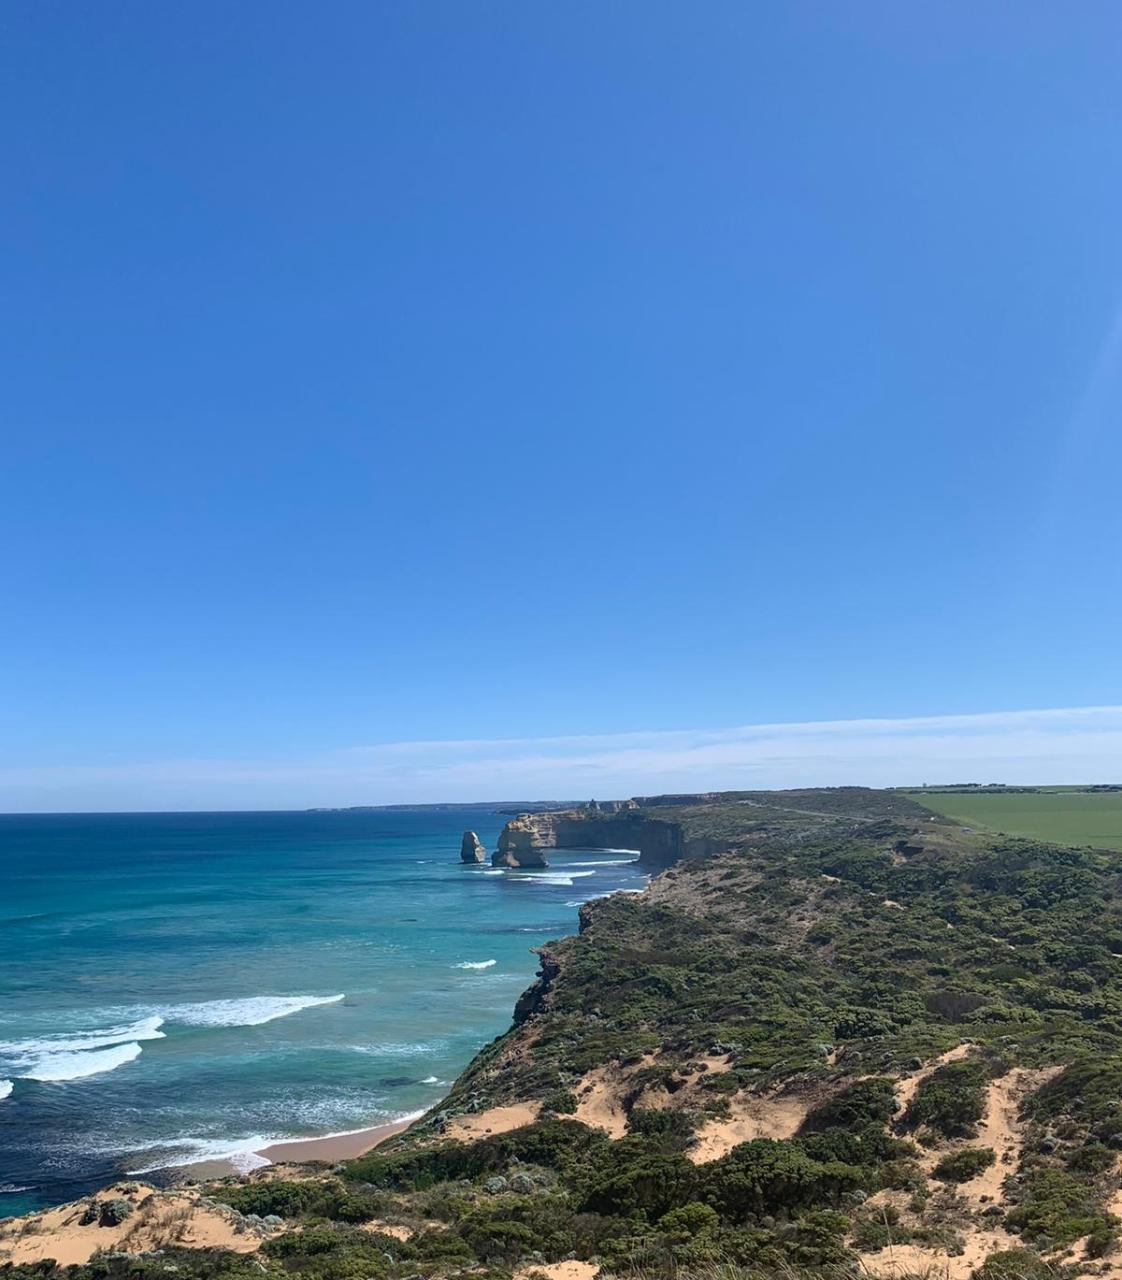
(147, 1028)
(242, 1153)
(57, 1067)
(10, 1188)
(253, 1011)
(431, 1080)
(565, 878)
(407, 1049)
(602, 862)
(475, 964)
(69, 1052)
(6, 1088)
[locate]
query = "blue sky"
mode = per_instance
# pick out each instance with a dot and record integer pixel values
(454, 374)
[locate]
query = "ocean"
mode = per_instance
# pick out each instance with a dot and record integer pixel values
(178, 987)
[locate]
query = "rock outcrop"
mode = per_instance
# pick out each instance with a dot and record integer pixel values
(659, 842)
(471, 848)
(520, 849)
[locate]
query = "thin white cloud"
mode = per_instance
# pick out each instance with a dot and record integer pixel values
(1059, 745)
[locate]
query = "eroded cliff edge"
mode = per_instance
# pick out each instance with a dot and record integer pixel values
(660, 843)
(671, 828)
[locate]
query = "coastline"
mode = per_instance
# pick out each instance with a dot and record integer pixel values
(280, 1128)
(335, 1146)
(328, 1149)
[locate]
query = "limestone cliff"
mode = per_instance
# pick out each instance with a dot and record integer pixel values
(471, 848)
(659, 841)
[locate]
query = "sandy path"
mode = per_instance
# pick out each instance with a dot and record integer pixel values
(1001, 1129)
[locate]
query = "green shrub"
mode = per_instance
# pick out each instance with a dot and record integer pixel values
(336, 1253)
(186, 1263)
(962, 1166)
(285, 1199)
(667, 1129)
(505, 1228)
(562, 1102)
(1059, 1208)
(689, 1220)
(765, 1176)
(951, 1100)
(552, 1143)
(304, 1199)
(1092, 1157)
(872, 1146)
(868, 1102)
(873, 1234)
(1094, 1085)
(441, 1246)
(650, 1185)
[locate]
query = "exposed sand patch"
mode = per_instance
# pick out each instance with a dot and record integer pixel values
(715, 1064)
(498, 1120)
(753, 1116)
(600, 1101)
(158, 1219)
(606, 1095)
(900, 1260)
(572, 1270)
(398, 1230)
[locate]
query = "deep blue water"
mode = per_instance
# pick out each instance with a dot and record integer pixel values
(177, 986)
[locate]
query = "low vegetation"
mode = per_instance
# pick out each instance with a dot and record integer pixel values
(844, 945)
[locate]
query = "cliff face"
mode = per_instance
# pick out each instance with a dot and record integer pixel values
(659, 841)
(672, 828)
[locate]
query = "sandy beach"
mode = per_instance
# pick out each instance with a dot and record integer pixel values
(341, 1146)
(333, 1147)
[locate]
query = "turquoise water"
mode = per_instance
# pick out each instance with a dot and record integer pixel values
(183, 986)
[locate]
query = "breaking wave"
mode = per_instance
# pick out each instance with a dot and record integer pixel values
(6, 1088)
(603, 862)
(253, 1011)
(240, 1152)
(475, 964)
(57, 1067)
(565, 878)
(77, 1041)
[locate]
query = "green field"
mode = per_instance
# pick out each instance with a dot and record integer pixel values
(1061, 816)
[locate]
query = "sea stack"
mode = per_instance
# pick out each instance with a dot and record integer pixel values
(471, 848)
